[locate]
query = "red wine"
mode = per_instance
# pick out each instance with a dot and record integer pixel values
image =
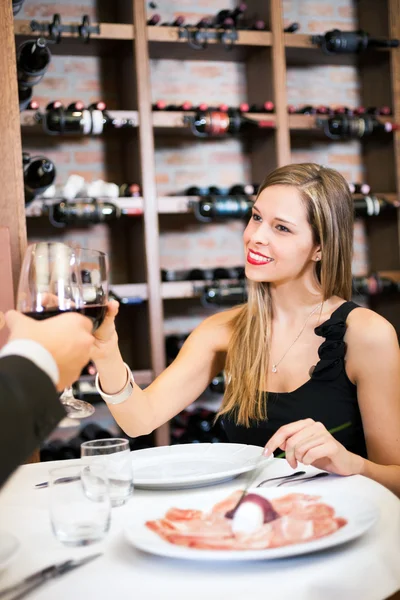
(95, 312)
(38, 176)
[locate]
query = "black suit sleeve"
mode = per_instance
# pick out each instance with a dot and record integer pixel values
(29, 411)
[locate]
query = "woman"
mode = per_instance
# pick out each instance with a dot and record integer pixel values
(300, 358)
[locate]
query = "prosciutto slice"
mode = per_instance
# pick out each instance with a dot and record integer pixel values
(301, 518)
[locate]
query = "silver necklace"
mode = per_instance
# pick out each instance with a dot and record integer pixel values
(275, 365)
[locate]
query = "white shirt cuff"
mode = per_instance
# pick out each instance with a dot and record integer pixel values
(36, 353)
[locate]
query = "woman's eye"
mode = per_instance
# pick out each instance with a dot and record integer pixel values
(282, 228)
(256, 217)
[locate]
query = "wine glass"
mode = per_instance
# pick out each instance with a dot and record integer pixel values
(56, 278)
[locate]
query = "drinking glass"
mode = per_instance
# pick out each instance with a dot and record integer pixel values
(114, 454)
(80, 507)
(93, 283)
(56, 278)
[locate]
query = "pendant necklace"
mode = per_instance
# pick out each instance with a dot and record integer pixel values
(275, 365)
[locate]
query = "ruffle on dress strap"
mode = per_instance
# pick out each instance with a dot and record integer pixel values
(332, 351)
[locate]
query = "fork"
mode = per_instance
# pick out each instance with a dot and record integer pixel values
(301, 479)
(297, 474)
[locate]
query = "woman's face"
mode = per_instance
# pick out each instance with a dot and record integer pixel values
(278, 240)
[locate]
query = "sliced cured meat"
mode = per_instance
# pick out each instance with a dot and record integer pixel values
(301, 518)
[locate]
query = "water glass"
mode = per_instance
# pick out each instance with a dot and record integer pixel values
(80, 506)
(115, 456)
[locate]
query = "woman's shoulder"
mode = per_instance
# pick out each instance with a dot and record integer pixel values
(218, 327)
(366, 327)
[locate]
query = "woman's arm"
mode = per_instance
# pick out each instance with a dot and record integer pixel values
(202, 356)
(373, 362)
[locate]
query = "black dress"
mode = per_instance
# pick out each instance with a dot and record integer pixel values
(328, 396)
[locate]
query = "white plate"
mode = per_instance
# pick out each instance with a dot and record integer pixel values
(360, 514)
(9, 545)
(192, 465)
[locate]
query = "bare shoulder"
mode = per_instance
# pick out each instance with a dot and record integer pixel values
(217, 329)
(365, 327)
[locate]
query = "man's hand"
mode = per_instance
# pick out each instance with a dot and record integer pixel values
(67, 337)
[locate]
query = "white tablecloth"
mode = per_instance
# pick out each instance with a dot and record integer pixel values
(365, 569)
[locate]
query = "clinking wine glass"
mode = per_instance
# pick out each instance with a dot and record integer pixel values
(56, 278)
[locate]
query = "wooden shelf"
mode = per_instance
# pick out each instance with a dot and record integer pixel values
(164, 42)
(132, 293)
(108, 31)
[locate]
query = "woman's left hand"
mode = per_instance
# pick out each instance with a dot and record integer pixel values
(310, 443)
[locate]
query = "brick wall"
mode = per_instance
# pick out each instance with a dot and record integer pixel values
(180, 161)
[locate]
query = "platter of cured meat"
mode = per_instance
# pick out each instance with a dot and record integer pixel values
(193, 465)
(273, 525)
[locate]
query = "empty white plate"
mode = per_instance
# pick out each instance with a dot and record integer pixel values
(192, 465)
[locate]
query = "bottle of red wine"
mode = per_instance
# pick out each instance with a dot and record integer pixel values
(54, 105)
(159, 105)
(154, 20)
(130, 190)
(234, 15)
(342, 42)
(374, 284)
(228, 207)
(224, 295)
(39, 174)
(197, 191)
(359, 188)
(33, 58)
(242, 190)
(77, 105)
(93, 211)
(75, 122)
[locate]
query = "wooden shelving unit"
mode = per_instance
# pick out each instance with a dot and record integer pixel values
(266, 55)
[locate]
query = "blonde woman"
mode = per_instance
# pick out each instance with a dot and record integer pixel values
(299, 356)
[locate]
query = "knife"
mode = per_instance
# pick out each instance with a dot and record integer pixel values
(21, 589)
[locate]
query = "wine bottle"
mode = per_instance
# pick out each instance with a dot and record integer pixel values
(130, 190)
(33, 58)
(39, 174)
(178, 22)
(77, 105)
(342, 42)
(359, 188)
(292, 28)
(244, 107)
(374, 284)
(229, 207)
(226, 295)
(217, 123)
(93, 211)
(242, 190)
(344, 126)
(77, 122)
(221, 273)
(217, 191)
(154, 20)
(308, 109)
(159, 105)
(197, 191)
(54, 105)
(371, 206)
(217, 384)
(234, 15)
(16, 6)
(204, 23)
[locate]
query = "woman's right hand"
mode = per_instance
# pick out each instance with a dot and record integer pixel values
(106, 338)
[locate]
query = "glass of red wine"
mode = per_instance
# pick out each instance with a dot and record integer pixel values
(56, 278)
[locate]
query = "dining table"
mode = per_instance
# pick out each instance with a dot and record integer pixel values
(366, 568)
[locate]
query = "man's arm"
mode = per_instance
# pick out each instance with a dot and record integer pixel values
(29, 411)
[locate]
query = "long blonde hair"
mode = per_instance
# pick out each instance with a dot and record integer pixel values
(330, 213)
